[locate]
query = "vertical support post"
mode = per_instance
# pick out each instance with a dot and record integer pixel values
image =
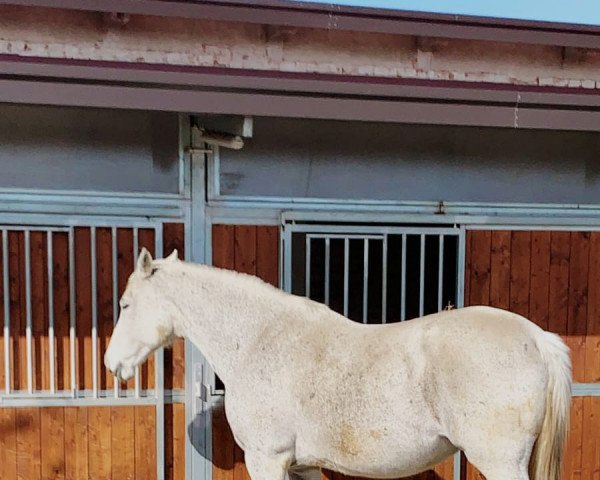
(327, 266)
(94, 281)
(346, 273)
(403, 280)
(72, 314)
(307, 269)
(287, 267)
(460, 302)
(28, 325)
(159, 383)
(51, 360)
(6, 293)
(441, 273)
(198, 417)
(115, 291)
(136, 248)
(365, 279)
(422, 278)
(384, 255)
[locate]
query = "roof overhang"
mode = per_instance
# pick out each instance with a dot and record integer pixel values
(360, 19)
(252, 92)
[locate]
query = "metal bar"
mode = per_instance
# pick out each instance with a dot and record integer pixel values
(287, 270)
(6, 292)
(105, 398)
(94, 281)
(360, 231)
(384, 255)
(85, 398)
(24, 228)
(346, 273)
(460, 274)
(365, 280)
(175, 395)
(422, 278)
(28, 311)
(327, 266)
(159, 384)
(586, 389)
(457, 466)
(136, 248)
(50, 265)
(441, 273)
(476, 216)
(284, 253)
(307, 269)
(403, 277)
(343, 236)
(72, 313)
(115, 290)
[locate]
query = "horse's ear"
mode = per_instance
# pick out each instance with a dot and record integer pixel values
(144, 263)
(173, 257)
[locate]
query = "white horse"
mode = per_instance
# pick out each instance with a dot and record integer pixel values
(308, 388)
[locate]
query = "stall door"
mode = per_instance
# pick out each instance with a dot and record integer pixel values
(553, 278)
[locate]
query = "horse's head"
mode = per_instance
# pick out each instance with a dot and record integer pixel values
(146, 320)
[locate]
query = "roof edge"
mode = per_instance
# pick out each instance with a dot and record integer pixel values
(359, 19)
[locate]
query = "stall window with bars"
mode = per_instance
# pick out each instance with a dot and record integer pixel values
(375, 274)
(60, 290)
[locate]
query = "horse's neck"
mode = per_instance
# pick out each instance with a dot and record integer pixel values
(224, 314)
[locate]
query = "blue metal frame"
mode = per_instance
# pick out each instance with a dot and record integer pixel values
(198, 448)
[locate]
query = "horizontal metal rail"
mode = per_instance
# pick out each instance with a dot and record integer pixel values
(88, 398)
(359, 231)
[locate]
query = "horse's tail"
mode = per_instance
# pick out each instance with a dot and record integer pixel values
(547, 455)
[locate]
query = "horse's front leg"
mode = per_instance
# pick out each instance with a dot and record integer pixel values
(263, 466)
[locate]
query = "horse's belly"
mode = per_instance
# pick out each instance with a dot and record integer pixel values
(375, 457)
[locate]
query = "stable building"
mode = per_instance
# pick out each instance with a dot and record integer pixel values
(387, 164)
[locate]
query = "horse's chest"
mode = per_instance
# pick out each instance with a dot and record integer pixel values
(258, 419)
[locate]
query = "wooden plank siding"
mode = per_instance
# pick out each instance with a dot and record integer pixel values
(553, 279)
(255, 250)
(75, 443)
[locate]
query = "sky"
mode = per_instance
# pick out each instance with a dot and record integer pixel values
(564, 11)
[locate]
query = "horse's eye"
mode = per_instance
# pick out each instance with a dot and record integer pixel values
(123, 307)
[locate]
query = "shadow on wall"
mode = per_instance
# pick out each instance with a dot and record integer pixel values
(227, 456)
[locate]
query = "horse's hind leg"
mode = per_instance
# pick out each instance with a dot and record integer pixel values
(267, 467)
(502, 460)
(504, 472)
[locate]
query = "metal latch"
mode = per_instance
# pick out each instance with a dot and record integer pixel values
(201, 390)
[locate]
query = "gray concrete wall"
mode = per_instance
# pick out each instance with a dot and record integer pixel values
(328, 159)
(88, 149)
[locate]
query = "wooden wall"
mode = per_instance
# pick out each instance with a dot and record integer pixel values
(82, 442)
(553, 278)
(255, 250)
